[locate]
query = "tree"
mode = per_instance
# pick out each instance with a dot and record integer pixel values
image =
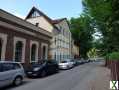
(82, 31)
(105, 16)
(92, 53)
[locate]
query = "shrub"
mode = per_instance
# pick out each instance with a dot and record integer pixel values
(114, 56)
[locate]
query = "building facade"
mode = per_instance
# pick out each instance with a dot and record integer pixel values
(62, 42)
(60, 45)
(75, 51)
(21, 41)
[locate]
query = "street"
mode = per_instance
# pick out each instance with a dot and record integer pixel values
(90, 76)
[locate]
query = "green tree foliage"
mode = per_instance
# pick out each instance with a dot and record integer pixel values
(82, 30)
(92, 53)
(114, 56)
(105, 14)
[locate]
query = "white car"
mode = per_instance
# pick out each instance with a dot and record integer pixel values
(11, 73)
(66, 64)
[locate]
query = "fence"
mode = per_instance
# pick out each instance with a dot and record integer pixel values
(113, 65)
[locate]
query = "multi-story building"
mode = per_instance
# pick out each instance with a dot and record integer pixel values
(22, 41)
(62, 42)
(60, 47)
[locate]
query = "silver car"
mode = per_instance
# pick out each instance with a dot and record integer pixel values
(66, 64)
(11, 73)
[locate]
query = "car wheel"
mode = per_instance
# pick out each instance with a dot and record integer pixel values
(43, 73)
(17, 81)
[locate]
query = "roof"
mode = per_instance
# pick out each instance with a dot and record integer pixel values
(52, 22)
(58, 20)
(13, 19)
(41, 13)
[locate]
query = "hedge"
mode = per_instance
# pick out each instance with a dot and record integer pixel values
(113, 56)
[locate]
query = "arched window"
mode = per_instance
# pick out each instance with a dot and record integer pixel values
(0, 49)
(55, 56)
(18, 51)
(33, 52)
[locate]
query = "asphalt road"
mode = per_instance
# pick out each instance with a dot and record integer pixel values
(73, 79)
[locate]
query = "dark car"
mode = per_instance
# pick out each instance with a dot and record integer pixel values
(79, 62)
(42, 68)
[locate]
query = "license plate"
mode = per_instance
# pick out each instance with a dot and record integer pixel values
(29, 72)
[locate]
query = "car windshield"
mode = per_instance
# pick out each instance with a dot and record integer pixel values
(38, 63)
(63, 61)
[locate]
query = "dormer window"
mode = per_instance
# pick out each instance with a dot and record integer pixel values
(35, 14)
(37, 24)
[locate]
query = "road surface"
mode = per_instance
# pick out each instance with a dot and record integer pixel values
(82, 77)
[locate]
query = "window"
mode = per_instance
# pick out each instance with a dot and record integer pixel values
(18, 51)
(44, 52)
(55, 56)
(7, 66)
(0, 67)
(63, 31)
(0, 48)
(35, 14)
(33, 52)
(16, 66)
(37, 24)
(55, 41)
(60, 56)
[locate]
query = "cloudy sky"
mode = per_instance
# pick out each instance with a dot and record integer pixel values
(53, 8)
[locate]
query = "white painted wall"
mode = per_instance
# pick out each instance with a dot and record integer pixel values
(75, 50)
(16, 39)
(65, 37)
(43, 23)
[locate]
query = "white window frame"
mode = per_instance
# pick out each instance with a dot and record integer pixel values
(4, 45)
(16, 39)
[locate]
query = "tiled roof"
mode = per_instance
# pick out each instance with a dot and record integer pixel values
(13, 19)
(58, 20)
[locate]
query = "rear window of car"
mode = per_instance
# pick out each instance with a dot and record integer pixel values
(63, 61)
(7, 66)
(52, 61)
(35, 64)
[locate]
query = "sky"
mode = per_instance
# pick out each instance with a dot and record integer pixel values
(52, 8)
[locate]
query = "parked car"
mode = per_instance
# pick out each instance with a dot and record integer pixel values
(11, 73)
(42, 68)
(79, 62)
(66, 64)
